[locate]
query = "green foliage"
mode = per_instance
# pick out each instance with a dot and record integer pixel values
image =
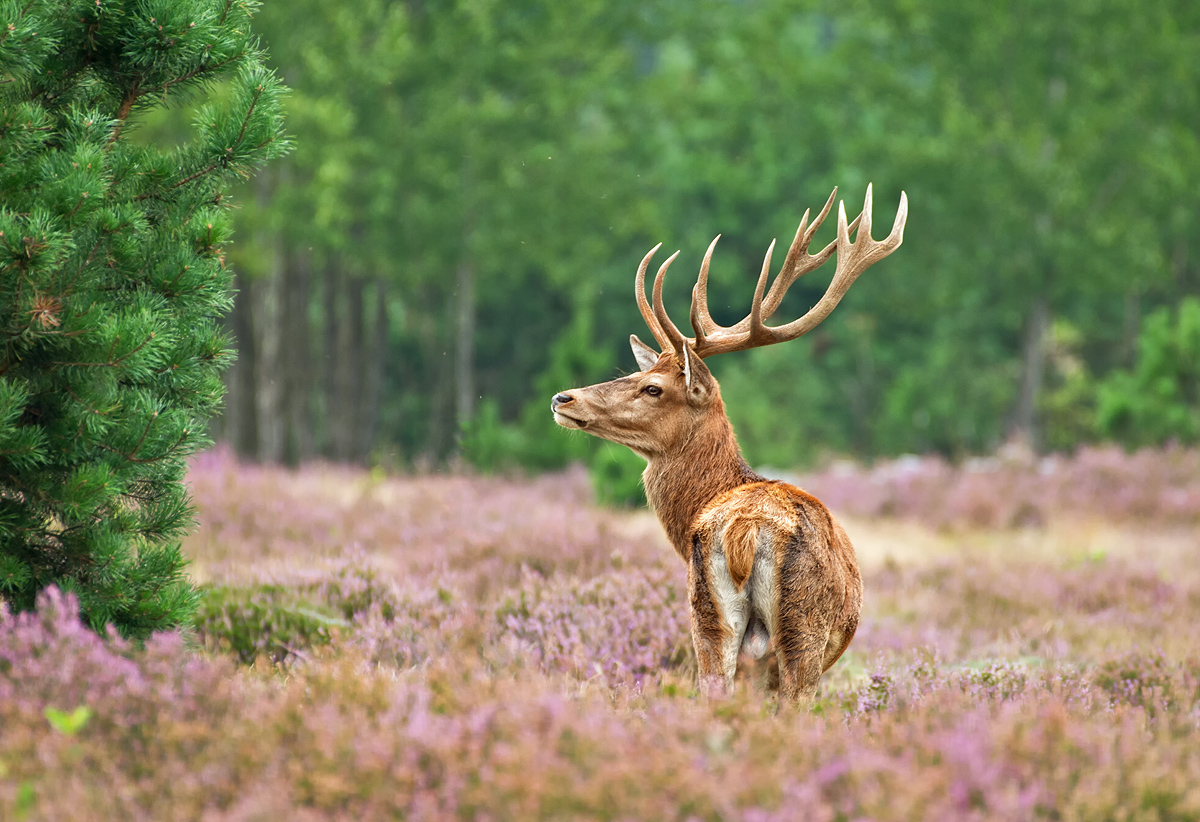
(70, 723)
(112, 289)
(1068, 407)
(271, 620)
(1159, 400)
(545, 147)
(783, 408)
(617, 476)
(491, 445)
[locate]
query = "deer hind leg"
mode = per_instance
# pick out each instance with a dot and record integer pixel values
(800, 650)
(839, 641)
(720, 614)
(808, 604)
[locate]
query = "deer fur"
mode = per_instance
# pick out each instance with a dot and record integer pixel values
(767, 562)
(765, 559)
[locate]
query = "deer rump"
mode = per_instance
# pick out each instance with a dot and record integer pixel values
(772, 557)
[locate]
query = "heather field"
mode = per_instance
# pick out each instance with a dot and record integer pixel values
(441, 647)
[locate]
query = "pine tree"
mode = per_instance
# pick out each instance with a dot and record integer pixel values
(113, 285)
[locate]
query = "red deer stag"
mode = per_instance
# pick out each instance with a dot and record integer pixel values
(765, 559)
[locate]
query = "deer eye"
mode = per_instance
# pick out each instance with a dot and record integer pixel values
(652, 390)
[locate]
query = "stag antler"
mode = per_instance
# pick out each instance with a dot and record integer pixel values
(853, 258)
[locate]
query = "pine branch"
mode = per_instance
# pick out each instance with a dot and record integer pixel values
(249, 113)
(169, 452)
(11, 28)
(131, 97)
(202, 70)
(110, 363)
(214, 166)
(82, 265)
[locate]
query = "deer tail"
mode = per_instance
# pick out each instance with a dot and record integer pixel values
(739, 541)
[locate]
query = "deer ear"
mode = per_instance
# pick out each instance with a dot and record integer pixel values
(645, 355)
(697, 378)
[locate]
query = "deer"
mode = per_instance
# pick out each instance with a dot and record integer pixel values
(766, 561)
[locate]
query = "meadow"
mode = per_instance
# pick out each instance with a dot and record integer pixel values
(458, 647)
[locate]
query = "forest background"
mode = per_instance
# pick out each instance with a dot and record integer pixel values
(455, 235)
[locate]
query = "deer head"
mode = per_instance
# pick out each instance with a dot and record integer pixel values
(662, 408)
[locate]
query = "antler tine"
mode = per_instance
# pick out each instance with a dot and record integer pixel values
(644, 306)
(864, 227)
(792, 269)
(702, 321)
(756, 307)
(694, 316)
(896, 236)
(797, 263)
(799, 245)
(699, 312)
(853, 258)
(674, 336)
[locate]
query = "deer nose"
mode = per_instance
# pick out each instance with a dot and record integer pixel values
(560, 399)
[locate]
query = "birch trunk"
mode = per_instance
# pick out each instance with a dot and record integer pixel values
(464, 346)
(1025, 420)
(238, 421)
(298, 360)
(373, 366)
(268, 377)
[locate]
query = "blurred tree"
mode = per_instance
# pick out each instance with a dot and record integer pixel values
(312, 318)
(112, 288)
(1035, 137)
(451, 157)
(1159, 399)
(476, 182)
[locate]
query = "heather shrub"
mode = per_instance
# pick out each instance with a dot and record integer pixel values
(973, 607)
(996, 680)
(1143, 679)
(289, 611)
(620, 626)
(422, 624)
(50, 659)
(875, 695)
(1018, 489)
(481, 531)
(335, 740)
(984, 685)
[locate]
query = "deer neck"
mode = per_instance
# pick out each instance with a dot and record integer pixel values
(682, 482)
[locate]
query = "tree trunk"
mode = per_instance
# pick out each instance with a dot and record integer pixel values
(269, 382)
(373, 366)
(238, 424)
(329, 380)
(347, 399)
(265, 309)
(1025, 418)
(464, 302)
(464, 346)
(298, 360)
(441, 402)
